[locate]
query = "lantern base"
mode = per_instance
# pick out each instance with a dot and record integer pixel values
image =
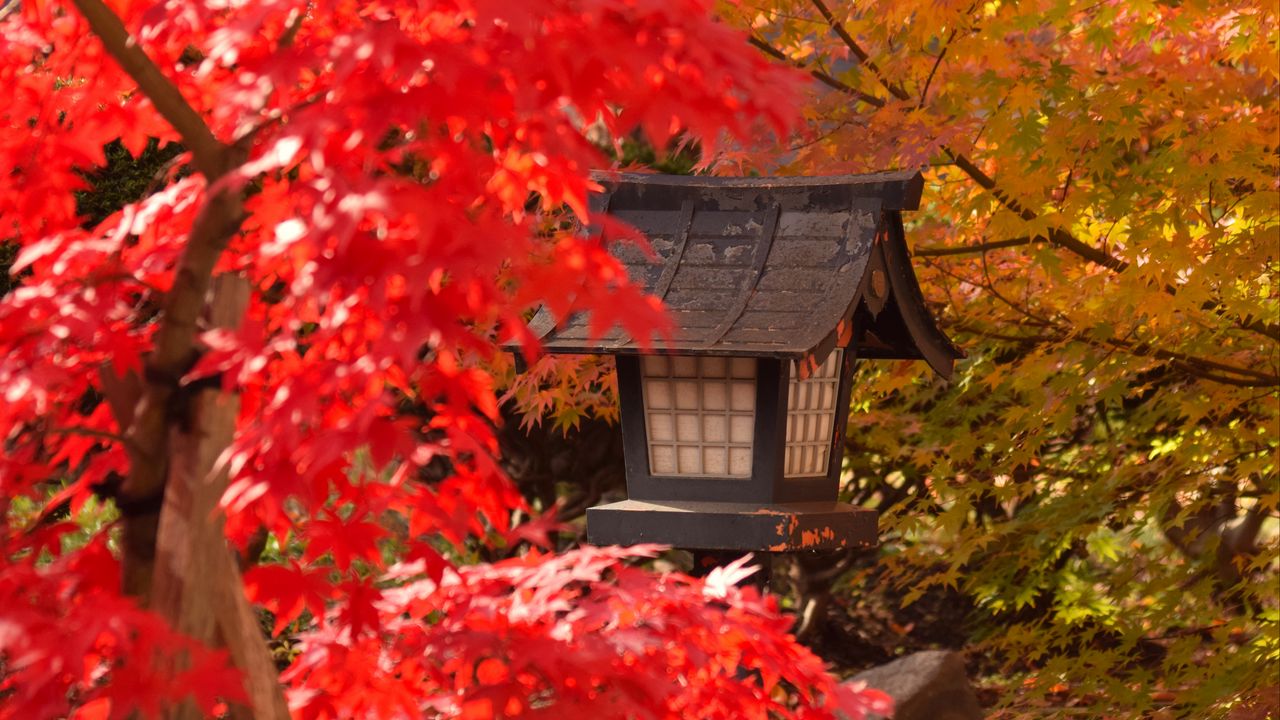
(777, 527)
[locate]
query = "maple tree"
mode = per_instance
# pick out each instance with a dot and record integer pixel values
(1099, 232)
(364, 198)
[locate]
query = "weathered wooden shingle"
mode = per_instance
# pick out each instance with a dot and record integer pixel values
(773, 267)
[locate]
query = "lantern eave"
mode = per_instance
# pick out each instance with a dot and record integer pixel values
(762, 267)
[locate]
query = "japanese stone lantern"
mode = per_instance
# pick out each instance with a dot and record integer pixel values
(733, 429)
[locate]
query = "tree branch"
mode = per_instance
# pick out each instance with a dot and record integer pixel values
(1057, 236)
(863, 58)
(1261, 379)
(939, 251)
(90, 432)
(1194, 365)
(823, 77)
(1006, 337)
(162, 93)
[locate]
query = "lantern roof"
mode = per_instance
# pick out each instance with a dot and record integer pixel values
(767, 267)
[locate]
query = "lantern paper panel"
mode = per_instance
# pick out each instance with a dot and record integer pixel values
(811, 416)
(699, 415)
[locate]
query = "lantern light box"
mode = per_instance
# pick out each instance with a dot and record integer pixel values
(733, 428)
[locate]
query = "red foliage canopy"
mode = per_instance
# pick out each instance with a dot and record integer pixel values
(382, 160)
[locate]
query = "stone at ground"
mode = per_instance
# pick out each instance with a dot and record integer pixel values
(929, 685)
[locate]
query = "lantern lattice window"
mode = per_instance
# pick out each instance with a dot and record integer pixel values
(811, 417)
(700, 415)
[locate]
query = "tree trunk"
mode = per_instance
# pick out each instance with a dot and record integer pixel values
(196, 582)
(177, 560)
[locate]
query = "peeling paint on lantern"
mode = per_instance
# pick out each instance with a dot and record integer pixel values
(814, 538)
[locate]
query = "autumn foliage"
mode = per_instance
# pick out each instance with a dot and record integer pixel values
(370, 195)
(1100, 233)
